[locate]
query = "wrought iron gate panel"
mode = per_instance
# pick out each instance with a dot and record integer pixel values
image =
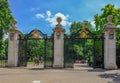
(91, 46)
(69, 57)
(98, 53)
(30, 46)
(118, 48)
(22, 57)
(49, 45)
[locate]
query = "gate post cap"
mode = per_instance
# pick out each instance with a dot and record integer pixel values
(59, 20)
(109, 18)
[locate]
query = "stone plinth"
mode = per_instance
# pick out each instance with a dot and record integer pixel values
(58, 46)
(110, 45)
(13, 47)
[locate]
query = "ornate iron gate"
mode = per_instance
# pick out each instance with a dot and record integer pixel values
(36, 43)
(3, 60)
(3, 53)
(83, 46)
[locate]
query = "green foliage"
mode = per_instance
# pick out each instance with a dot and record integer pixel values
(5, 15)
(35, 48)
(6, 47)
(76, 46)
(100, 20)
(78, 49)
(76, 26)
(2, 52)
(5, 22)
(49, 49)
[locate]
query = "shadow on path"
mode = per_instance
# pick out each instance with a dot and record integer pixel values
(115, 77)
(97, 70)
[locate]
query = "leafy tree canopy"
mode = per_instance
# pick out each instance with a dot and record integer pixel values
(100, 20)
(5, 16)
(5, 21)
(76, 26)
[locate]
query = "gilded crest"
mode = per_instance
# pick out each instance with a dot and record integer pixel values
(83, 33)
(35, 34)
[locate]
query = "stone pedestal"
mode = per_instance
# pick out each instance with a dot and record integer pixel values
(110, 45)
(13, 47)
(58, 46)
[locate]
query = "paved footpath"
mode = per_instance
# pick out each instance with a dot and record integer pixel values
(27, 75)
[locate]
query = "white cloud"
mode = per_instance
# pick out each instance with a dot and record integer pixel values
(39, 15)
(93, 23)
(53, 21)
(47, 16)
(48, 13)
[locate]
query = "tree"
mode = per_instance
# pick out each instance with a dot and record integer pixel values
(100, 20)
(35, 48)
(76, 26)
(2, 51)
(5, 20)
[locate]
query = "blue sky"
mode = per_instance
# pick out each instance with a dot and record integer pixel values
(41, 14)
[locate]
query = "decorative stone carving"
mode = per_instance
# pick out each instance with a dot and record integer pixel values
(110, 18)
(11, 36)
(59, 26)
(109, 23)
(111, 34)
(58, 34)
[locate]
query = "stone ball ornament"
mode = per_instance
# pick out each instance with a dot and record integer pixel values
(14, 22)
(110, 18)
(59, 20)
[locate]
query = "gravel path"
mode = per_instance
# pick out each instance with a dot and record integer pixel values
(27, 75)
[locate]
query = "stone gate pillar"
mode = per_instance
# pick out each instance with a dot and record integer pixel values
(13, 35)
(110, 45)
(58, 45)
